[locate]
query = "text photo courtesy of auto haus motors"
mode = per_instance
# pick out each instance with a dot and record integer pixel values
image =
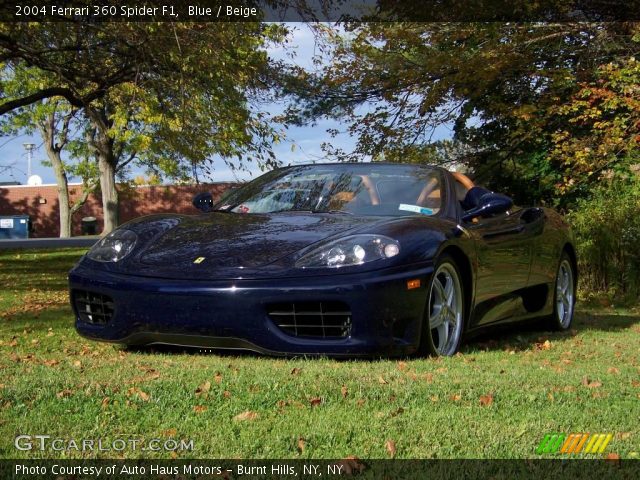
(272, 240)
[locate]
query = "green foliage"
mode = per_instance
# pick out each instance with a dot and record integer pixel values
(607, 228)
(166, 96)
(500, 85)
(599, 127)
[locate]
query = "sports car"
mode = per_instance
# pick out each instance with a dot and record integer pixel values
(347, 259)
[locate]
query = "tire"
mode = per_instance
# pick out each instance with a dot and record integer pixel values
(443, 321)
(564, 295)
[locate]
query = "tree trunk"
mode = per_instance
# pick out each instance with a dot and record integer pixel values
(53, 152)
(63, 197)
(109, 191)
(103, 147)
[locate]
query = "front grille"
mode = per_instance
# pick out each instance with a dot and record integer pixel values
(312, 319)
(93, 307)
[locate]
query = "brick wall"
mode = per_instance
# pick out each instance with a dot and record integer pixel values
(41, 203)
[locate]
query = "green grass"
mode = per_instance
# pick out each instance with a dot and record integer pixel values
(496, 399)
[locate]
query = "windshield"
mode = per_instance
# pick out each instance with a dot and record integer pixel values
(359, 189)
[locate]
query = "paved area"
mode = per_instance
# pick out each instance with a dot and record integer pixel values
(29, 243)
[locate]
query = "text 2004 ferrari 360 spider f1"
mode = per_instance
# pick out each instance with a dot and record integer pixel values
(331, 259)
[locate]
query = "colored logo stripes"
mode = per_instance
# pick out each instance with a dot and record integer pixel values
(574, 443)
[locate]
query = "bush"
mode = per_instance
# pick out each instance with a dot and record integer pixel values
(607, 228)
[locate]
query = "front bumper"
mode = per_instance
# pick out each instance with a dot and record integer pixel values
(386, 316)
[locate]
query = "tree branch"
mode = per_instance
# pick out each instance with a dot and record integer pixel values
(41, 95)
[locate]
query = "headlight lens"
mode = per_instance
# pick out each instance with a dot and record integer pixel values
(114, 247)
(353, 250)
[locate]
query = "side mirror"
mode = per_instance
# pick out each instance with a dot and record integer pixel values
(203, 201)
(489, 204)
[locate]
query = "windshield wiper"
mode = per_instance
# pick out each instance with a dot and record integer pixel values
(332, 211)
(285, 210)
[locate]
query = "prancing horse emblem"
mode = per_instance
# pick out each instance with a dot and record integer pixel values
(199, 260)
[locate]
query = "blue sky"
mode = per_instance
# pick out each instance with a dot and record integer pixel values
(307, 139)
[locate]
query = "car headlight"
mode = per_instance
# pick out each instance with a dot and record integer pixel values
(114, 247)
(353, 250)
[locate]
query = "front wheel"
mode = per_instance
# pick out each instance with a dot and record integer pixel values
(564, 297)
(444, 314)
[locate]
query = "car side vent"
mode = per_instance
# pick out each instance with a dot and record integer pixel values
(93, 307)
(312, 319)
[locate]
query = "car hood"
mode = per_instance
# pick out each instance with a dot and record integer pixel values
(219, 245)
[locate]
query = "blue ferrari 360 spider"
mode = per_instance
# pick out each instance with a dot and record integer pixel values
(330, 259)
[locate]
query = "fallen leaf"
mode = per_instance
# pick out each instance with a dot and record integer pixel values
(344, 391)
(218, 377)
(546, 345)
(296, 371)
(143, 396)
(51, 363)
(244, 416)
(382, 381)
(613, 457)
(77, 364)
(434, 398)
(360, 402)
(486, 400)
(200, 408)
(350, 465)
(613, 370)
(428, 377)
(590, 383)
(226, 394)
(203, 388)
(105, 402)
(456, 397)
(402, 366)
(64, 393)
(390, 445)
(169, 432)
(301, 444)
(315, 401)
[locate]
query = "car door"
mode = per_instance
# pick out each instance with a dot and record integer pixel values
(504, 251)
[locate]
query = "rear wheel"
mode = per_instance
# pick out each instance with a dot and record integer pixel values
(564, 297)
(444, 315)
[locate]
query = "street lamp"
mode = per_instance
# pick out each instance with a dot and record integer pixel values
(29, 148)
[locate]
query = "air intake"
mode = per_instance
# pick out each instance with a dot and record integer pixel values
(312, 319)
(93, 307)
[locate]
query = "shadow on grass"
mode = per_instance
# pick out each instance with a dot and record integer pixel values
(523, 336)
(24, 270)
(516, 337)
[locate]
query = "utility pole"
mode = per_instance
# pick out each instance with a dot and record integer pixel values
(29, 148)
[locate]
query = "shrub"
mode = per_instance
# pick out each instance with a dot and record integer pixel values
(607, 228)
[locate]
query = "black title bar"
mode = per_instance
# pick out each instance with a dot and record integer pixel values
(321, 10)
